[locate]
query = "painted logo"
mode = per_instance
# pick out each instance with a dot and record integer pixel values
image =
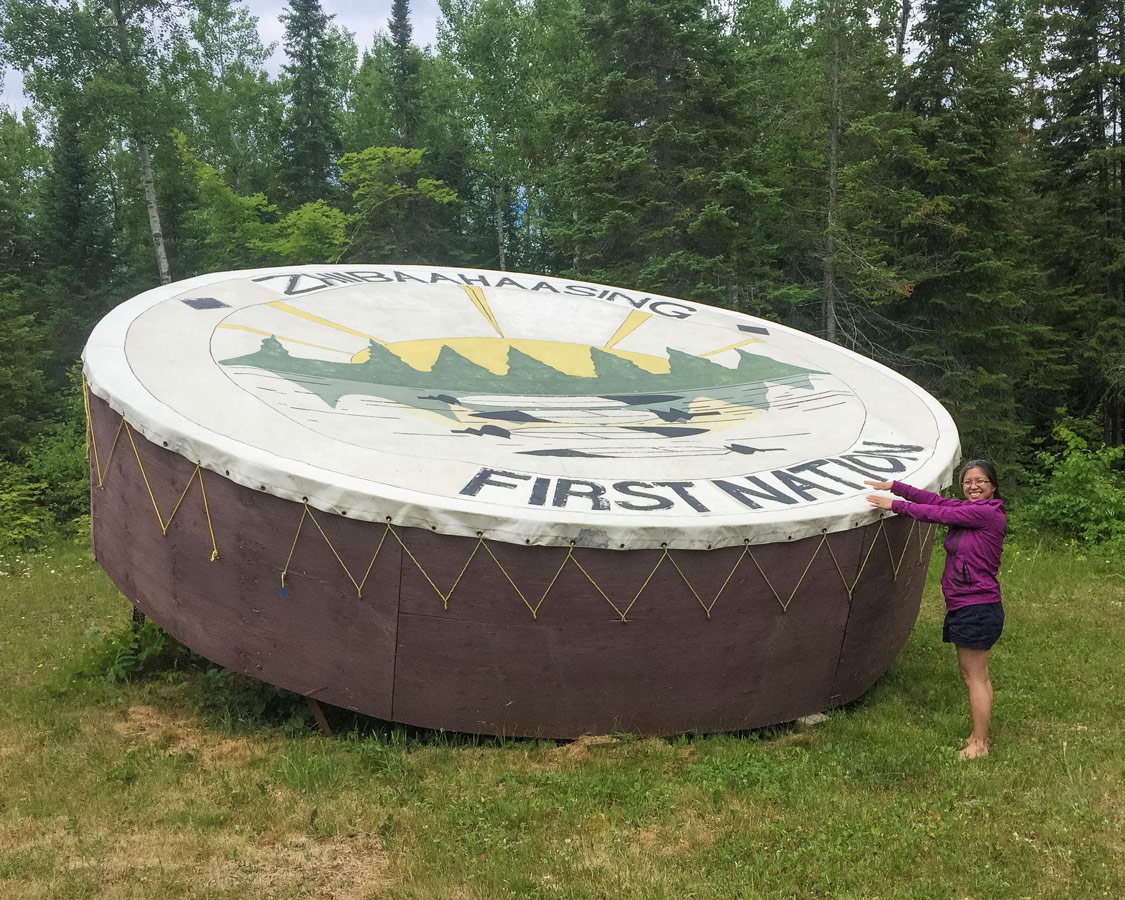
(476, 366)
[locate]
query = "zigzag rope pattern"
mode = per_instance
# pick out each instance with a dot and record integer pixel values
(197, 473)
(924, 535)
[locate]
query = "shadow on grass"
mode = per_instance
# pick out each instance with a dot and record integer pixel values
(146, 654)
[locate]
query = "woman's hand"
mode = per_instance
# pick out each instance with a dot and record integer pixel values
(878, 501)
(880, 485)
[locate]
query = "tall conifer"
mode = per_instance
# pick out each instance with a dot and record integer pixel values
(311, 137)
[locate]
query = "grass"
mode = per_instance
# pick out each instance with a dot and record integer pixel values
(194, 784)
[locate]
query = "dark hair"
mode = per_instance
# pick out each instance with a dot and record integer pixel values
(989, 470)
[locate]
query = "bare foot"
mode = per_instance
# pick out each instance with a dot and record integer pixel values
(974, 749)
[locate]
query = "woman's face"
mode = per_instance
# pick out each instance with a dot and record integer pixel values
(976, 486)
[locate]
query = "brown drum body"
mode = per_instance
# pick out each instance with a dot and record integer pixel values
(487, 637)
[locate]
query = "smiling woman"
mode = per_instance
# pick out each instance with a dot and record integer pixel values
(506, 503)
(973, 546)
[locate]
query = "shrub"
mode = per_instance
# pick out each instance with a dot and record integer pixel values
(57, 458)
(135, 653)
(1081, 497)
(24, 520)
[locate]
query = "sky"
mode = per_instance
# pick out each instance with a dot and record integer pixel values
(362, 17)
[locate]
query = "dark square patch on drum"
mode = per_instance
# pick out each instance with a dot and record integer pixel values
(205, 303)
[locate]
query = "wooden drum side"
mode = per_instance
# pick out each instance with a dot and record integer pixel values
(487, 637)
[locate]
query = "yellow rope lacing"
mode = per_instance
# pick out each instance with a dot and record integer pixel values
(621, 609)
(197, 473)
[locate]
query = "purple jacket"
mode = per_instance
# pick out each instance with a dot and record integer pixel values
(972, 546)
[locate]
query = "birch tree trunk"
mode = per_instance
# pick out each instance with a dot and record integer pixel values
(500, 228)
(153, 211)
(145, 158)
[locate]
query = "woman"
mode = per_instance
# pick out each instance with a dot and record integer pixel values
(974, 614)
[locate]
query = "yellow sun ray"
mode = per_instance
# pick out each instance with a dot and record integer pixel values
(632, 322)
(481, 303)
(328, 323)
(282, 337)
(732, 346)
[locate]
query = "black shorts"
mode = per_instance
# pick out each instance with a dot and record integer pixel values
(974, 627)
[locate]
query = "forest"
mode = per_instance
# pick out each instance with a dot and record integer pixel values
(936, 184)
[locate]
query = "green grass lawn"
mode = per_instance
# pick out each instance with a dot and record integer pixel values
(189, 783)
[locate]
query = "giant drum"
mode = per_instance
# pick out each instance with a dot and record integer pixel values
(504, 503)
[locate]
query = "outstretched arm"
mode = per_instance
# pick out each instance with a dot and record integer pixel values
(957, 512)
(909, 492)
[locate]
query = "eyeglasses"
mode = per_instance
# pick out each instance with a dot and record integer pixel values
(975, 482)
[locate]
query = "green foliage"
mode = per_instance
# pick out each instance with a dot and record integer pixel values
(21, 377)
(239, 700)
(136, 652)
(24, 520)
(145, 652)
(973, 234)
(56, 456)
(237, 108)
(310, 130)
(314, 232)
(1081, 496)
(394, 203)
(390, 196)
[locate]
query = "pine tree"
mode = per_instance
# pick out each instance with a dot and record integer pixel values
(74, 219)
(74, 238)
(650, 189)
(1082, 145)
(24, 343)
(405, 66)
(311, 132)
(974, 340)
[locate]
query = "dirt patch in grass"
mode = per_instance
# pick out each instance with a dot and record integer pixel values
(346, 867)
(339, 868)
(176, 733)
(581, 747)
(601, 746)
(691, 833)
(17, 744)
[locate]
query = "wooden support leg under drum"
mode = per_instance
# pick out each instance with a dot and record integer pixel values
(138, 618)
(318, 714)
